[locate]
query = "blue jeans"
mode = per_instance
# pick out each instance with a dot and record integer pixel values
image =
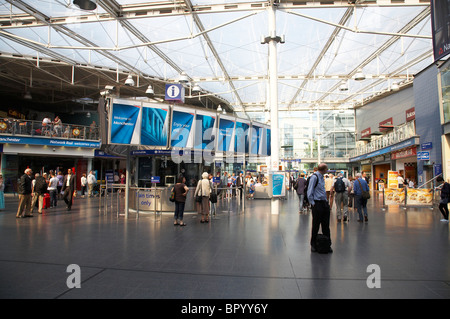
(179, 210)
(361, 205)
(300, 201)
(53, 197)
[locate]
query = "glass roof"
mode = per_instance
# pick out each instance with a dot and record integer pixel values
(218, 44)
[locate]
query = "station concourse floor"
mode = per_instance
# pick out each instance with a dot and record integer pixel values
(256, 254)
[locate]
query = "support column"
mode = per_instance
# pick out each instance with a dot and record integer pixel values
(272, 41)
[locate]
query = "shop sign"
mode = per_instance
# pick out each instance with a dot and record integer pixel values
(437, 169)
(387, 122)
(410, 114)
(424, 156)
(366, 132)
(426, 146)
(404, 153)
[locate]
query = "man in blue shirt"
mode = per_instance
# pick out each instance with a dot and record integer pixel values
(317, 197)
(359, 185)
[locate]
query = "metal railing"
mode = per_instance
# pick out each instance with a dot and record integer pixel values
(40, 129)
(399, 134)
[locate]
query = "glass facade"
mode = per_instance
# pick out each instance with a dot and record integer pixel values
(445, 91)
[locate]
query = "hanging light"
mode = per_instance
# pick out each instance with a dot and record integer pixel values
(183, 78)
(85, 4)
(196, 88)
(219, 108)
(88, 114)
(395, 87)
(129, 81)
(150, 91)
(343, 86)
(27, 96)
(359, 76)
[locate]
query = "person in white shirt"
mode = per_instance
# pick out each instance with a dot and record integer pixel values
(92, 181)
(401, 181)
(83, 184)
(53, 189)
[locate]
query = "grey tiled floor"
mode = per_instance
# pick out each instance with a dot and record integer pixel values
(252, 254)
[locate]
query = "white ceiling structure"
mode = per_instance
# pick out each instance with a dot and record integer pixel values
(218, 45)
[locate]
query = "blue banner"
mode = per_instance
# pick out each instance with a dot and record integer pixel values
(241, 137)
(124, 120)
(257, 132)
(225, 134)
(48, 141)
(181, 129)
(278, 185)
(204, 130)
(268, 144)
(154, 129)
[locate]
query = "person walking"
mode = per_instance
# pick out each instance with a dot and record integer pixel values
(360, 185)
(38, 190)
(204, 190)
(317, 197)
(2, 193)
(240, 185)
(445, 196)
(299, 187)
(91, 180)
(341, 188)
(53, 190)
(24, 190)
(68, 188)
(83, 184)
(180, 189)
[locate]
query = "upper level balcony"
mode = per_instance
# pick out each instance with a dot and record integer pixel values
(398, 134)
(15, 127)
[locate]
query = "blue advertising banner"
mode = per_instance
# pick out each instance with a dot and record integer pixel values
(225, 134)
(204, 131)
(256, 135)
(124, 124)
(241, 137)
(278, 188)
(48, 141)
(182, 132)
(155, 126)
(268, 145)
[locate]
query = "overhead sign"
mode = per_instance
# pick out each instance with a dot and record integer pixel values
(426, 146)
(424, 156)
(410, 114)
(174, 92)
(440, 19)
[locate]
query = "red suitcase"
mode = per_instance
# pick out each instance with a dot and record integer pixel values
(46, 203)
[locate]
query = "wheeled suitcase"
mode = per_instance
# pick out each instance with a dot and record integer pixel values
(46, 203)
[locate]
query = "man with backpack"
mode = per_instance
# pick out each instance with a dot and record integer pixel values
(39, 190)
(317, 197)
(341, 187)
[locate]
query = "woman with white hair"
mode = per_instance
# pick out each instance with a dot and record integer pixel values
(203, 190)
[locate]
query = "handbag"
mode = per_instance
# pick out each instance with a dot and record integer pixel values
(365, 194)
(198, 197)
(172, 196)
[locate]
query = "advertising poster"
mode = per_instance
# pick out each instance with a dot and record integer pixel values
(125, 124)
(278, 185)
(155, 126)
(241, 138)
(182, 129)
(392, 179)
(256, 134)
(225, 134)
(394, 196)
(204, 130)
(419, 197)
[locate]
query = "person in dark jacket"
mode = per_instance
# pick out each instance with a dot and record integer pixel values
(68, 188)
(445, 195)
(24, 190)
(38, 191)
(360, 185)
(180, 189)
(299, 186)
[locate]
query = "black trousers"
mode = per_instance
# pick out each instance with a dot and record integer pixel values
(444, 210)
(320, 217)
(68, 197)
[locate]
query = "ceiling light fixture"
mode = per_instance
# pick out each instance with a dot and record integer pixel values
(150, 91)
(359, 76)
(219, 108)
(85, 4)
(395, 87)
(129, 81)
(196, 88)
(27, 96)
(343, 86)
(183, 78)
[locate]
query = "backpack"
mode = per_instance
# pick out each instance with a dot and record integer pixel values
(323, 244)
(339, 185)
(40, 186)
(213, 197)
(306, 187)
